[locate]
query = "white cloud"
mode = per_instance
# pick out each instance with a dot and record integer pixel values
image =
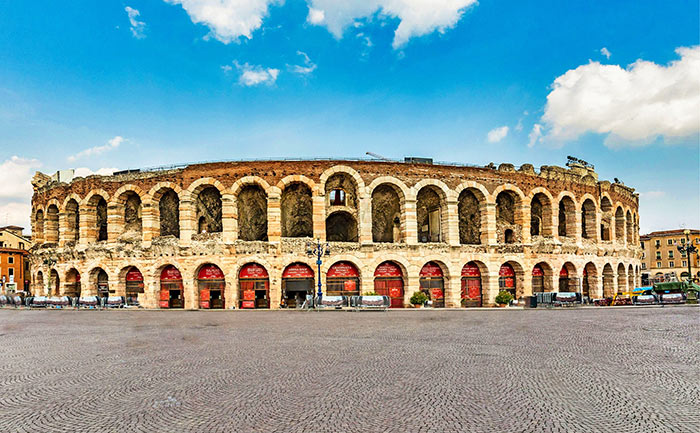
(226, 68)
(16, 193)
(652, 194)
(111, 144)
(604, 51)
(534, 135)
(305, 69)
(497, 134)
(85, 172)
(633, 105)
(252, 75)
(227, 20)
(417, 17)
(137, 27)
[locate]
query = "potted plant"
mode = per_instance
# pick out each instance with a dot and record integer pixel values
(503, 298)
(418, 299)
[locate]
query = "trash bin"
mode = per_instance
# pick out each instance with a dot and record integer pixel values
(530, 301)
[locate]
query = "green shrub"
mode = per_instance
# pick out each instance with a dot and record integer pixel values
(504, 298)
(419, 298)
(370, 294)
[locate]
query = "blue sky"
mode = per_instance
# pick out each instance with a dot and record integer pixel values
(120, 84)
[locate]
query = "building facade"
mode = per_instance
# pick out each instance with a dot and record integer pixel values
(14, 263)
(234, 234)
(660, 257)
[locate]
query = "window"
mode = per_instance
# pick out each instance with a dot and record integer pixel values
(21, 245)
(683, 253)
(337, 197)
(670, 254)
(684, 263)
(671, 264)
(1, 244)
(642, 245)
(10, 260)
(658, 255)
(658, 243)
(682, 241)
(670, 241)
(11, 272)
(658, 264)
(644, 255)
(644, 265)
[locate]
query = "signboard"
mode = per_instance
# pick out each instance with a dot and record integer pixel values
(163, 304)
(343, 269)
(436, 293)
(506, 271)
(165, 295)
(298, 270)
(537, 271)
(248, 304)
(471, 270)
(210, 272)
(249, 295)
(473, 288)
(431, 269)
(170, 273)
(134, 275)
(349, 286)
(396, 292)
(563, 273)
(253, 271)
(388, 269)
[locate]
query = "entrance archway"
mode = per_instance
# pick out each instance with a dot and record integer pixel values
(102, 283)
(343, 279)
(388, 281)
(568, 282)
(538, 279)
(211, 284)
(432, 283)
(253, 287)
(72, 286)
(171, 290)
(56, 282)
(134, 286)
(297, 283)
(471, 286)
(506, 279)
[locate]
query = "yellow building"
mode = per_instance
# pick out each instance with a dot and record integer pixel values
(661, 258)
(14, 263)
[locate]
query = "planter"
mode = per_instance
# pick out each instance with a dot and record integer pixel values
(501, 305)
(417, 306)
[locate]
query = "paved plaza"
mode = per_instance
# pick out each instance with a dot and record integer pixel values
(568, 370)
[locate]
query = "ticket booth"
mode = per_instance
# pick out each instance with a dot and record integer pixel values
(432, 283)
(343, 279)
(388, 281)
(506, 279)
(297, 283)
(471, 286)
(134, 286)
(172, 293)
(253, 287)
(537, 279)
(102, 284)
(211, 284)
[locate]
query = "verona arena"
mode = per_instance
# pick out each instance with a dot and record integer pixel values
(234, 234)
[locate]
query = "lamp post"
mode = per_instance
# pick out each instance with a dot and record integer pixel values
(688, 249)
(49, 262)
(318, 250)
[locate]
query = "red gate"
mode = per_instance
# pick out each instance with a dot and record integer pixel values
(471, 285)
(388, 281)
(171, 289)
(254, 287)
(211, 284)
(432, 283)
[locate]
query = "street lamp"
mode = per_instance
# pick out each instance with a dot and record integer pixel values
(688, 249)
(318, 250)
(49, 262)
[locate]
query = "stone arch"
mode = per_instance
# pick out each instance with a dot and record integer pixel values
(519, 278)
(589, 283)
(568, 278)
(164, 201)
(55, 283)
(71, 211)
(208, 209)
(630, 277)
(606, 220)
(39, 283)
(296, 178)
(341, 226)
(99, 281)
(128, 218)
(608, 281)
(619, 224)
(509, 201)
(431, 212)
(95, 205)
(251, 211)
(38, 232)
(296, 207)
(51, 223)
(388, 212)
(71, 283)
(567, 216)
(542, 278)
(249, 180)
(541, 216)
(629, 224)
(202, 183)
(343, 169)
(589, 219)
(403, 190)
(471, 206)
(621, 278)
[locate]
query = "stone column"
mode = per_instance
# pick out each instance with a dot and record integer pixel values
(319, 217)
(63, 229)
(489, 288)
(489, 234)
(150, 223)
(275, 289)
(231, 289)
(190, 292)
(526, 282)
(452, 223)
(453, 291)
(228, 218)
(364, 217)
(87, 227)
(412, 285)
(187, 220)
(525, 223)
(115, 222)
(274, 218)
(578, 232)
(411, 228)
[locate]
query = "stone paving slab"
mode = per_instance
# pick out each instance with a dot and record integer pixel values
(572, 370)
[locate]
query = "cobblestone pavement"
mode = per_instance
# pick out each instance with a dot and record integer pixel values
(572, 370)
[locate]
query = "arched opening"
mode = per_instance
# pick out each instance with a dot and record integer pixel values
(341, 191)
(507, 206)
(253, 287)
(621, 278)
(386, 214)
(432, 283)
(133, 218)
(590, 281)
(297, 284)
(567, 218)
(630, 278)
(169, 213)
(39, 226)
(469, 218)
(388, 281)
(134, 286)
(506, 279)
(606, 219)
(619, 225)
(588, 220)
(472, 295)
(629, 223)
(608, 281)
(39, 283)
(100, 219)
(55, 283)
(343, 279)
(341, 227)
(211, 285)
(541, 278)
(540, 215)
(100, 282)
(429, 209)
(72, 284)
(209, 211)
(252, 213)
(72, 216)
(568, 281)
(172, 294)
(51, 224)
(297, 211)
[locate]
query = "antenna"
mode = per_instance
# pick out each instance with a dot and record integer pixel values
(377, 156)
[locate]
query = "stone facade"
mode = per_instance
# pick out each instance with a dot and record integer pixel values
(230, 214)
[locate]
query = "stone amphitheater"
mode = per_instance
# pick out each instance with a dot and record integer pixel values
(236, 234)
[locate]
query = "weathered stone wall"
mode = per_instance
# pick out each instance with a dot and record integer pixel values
(386, 214)
(169, 210)
(469, 218)
(252, 214)
(297, 211)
